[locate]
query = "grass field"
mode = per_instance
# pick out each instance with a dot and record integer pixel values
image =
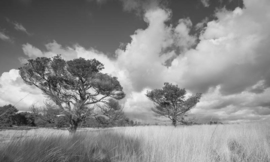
(200, 143)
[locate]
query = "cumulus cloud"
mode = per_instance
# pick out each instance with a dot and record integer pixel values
(14, 91)
(232, 52)
(144, 58)
(228, 62)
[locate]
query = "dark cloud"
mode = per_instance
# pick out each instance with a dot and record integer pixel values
(265, 104)
(263, 110)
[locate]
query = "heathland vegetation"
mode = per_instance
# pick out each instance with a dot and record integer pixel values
(85, 100)
(198, 143)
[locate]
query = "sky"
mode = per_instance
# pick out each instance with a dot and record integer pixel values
(219, 48)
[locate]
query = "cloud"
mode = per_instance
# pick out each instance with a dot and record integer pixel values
(144, 58)
(202, 24)
(232, 52)
(141, 6)
(20, 27)
(5, 37)
(31, 51)
(15, 91)
(206, 3)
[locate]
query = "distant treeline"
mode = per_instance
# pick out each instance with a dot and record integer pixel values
(52, 117)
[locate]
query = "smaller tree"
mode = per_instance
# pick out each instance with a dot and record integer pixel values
(171, 102)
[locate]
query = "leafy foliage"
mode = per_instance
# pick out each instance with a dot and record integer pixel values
(74, 86)
(24, 119)
(6, 114)
(111, 111)
(170, 102)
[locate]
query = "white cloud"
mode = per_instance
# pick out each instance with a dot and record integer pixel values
(246, 106)
(232, 53)
(31, 51)
(205, 3)
(201, 24)
(15, 91)
(5, 37)
(20, 27)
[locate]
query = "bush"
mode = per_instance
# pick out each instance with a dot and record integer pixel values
(42, 123)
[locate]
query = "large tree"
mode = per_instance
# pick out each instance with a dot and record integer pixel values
(74, 86)
(171, 102)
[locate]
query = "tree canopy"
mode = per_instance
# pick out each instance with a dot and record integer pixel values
(74, 86)
(6, 114)
(171, 102)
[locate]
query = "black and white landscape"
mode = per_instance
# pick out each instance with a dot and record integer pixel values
(134, 80)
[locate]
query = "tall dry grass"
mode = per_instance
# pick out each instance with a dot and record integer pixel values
(205, 143)
(81, 147)
(202, 143)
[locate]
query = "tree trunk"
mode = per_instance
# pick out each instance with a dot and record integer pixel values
(73, 125)
(174, 122)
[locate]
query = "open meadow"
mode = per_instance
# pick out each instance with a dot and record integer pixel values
(199, 143)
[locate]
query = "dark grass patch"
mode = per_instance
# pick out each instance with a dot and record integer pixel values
(18, 128)
(239, 153)
(81, 147)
